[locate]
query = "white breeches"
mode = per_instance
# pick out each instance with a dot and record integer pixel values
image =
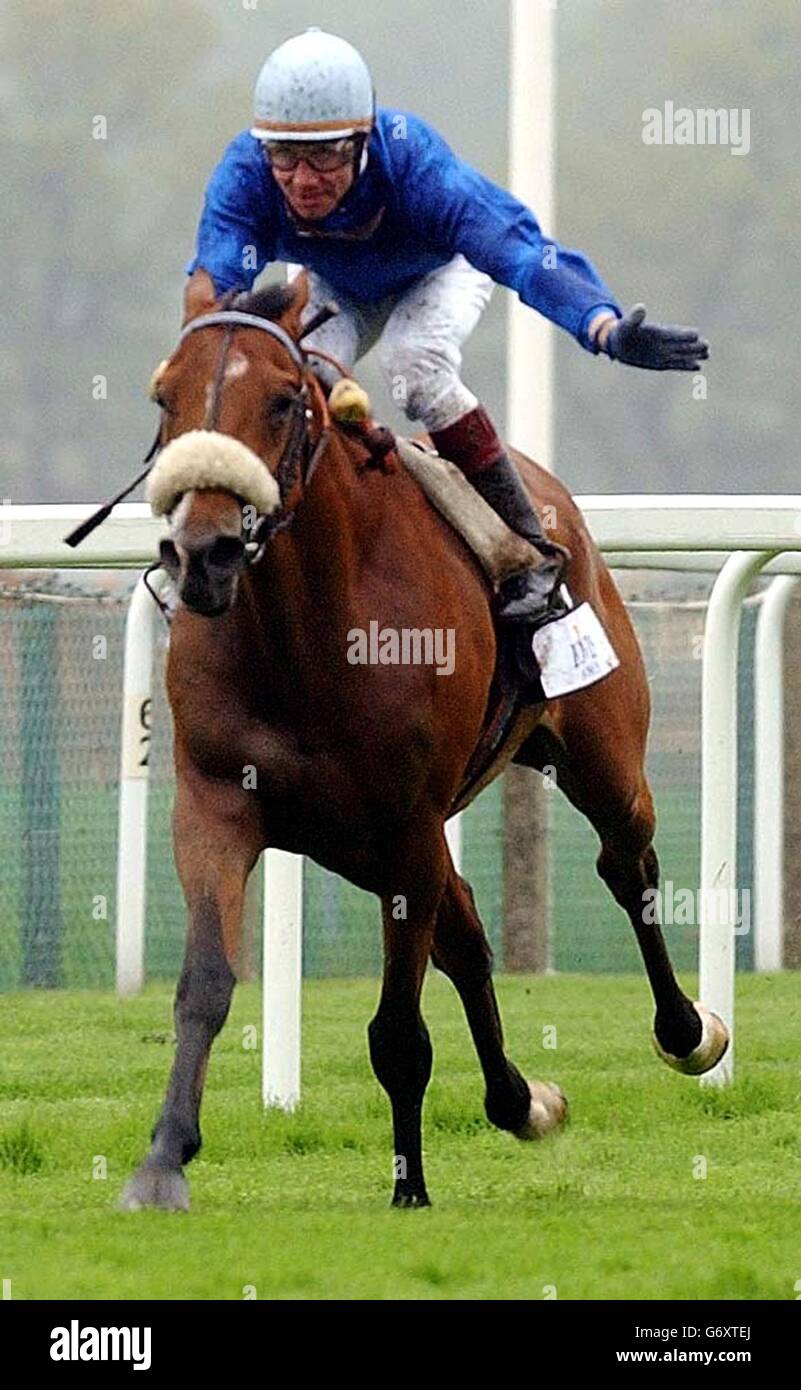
(419, 336)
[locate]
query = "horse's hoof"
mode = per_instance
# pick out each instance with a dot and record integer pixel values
(713, 1045)
(547, 1112)
(411, 1199)
(155, 1186)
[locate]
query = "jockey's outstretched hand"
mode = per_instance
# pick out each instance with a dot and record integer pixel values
(660, 347)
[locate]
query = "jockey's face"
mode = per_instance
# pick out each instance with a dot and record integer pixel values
(312, 192)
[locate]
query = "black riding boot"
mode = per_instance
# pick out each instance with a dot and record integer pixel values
(533, 595)
(473, 444)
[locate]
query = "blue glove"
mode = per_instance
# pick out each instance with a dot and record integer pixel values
(659, 347)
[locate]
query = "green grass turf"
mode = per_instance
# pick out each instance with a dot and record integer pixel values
(297, 1206)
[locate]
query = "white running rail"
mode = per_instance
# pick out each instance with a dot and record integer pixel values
(740, 536)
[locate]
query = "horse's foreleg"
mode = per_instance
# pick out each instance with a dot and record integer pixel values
(461, 950)
(217, 840)
(400, 1048)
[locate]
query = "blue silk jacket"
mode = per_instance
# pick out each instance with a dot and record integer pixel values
(414, 207)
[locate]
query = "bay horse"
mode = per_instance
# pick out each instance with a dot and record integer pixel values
(280, 741)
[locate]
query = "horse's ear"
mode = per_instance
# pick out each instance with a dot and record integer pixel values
(291, 317)
(200, 296)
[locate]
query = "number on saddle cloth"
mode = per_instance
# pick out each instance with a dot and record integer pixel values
(572, 652)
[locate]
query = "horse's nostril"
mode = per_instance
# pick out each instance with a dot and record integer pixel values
(169, 556)
(226, 552)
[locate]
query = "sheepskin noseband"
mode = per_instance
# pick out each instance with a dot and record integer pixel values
(208, 459)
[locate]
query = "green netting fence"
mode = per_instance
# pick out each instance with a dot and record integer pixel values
(61, 651)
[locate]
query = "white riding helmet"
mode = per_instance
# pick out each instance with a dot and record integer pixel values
(313, 87)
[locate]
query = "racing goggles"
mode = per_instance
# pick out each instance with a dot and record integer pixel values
(324, 155)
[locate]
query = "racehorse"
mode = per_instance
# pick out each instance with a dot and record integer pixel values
(281, 741)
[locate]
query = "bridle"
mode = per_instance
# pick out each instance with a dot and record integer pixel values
(291, 466)
(301, 454)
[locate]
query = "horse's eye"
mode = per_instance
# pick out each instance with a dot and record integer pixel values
(279, 406)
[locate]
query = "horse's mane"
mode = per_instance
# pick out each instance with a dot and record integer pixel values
(268, 303)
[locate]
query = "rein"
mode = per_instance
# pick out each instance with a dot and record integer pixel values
(298, 461)
(301, 455)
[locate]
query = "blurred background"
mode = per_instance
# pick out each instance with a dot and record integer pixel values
(96, 232)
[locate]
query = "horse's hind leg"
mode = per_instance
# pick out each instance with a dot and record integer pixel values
(687, 1036)
(461, 950)
(597, 761)
(218, 837)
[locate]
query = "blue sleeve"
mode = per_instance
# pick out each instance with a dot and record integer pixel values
(462, 211)
(231, 243)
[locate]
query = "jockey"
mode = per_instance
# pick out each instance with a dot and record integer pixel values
(409, 240)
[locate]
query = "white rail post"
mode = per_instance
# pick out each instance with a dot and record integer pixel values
(282, 963)
(768, 907)
(132, 827)
(719, 794)
(454, 835)
(529, 364)
(529, 337)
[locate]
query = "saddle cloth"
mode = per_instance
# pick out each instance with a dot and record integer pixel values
(498, 549)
